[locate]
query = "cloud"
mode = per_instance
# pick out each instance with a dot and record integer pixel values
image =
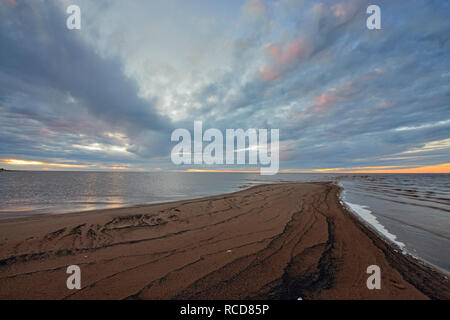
(431, 146)
(424, 126)
(284, 56)
(42, 53)
(19, 162)
(344, 10)
(341, 95)
(255, 8)
(11, 2)
(326, 99)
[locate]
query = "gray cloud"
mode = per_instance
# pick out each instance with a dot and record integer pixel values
(336, 90)
(41, 59)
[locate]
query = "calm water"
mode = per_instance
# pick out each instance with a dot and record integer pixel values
(59, 192)
(413, 210)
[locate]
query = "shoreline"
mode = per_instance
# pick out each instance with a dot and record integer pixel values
(270, 241)
(388, 237)
(395, 244)
(394, 249)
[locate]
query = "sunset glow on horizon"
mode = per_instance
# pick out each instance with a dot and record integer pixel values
(20, 162)
(439, 168)
(46, 166)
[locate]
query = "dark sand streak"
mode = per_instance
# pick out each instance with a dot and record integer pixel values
(278, 241)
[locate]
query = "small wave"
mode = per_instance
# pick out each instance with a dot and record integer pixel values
(366, 215)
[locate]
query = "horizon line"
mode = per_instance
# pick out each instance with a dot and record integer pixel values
(442, 168)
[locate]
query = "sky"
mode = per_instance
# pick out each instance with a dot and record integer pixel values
(108, 96)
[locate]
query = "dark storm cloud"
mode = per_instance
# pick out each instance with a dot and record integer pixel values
(41, 59)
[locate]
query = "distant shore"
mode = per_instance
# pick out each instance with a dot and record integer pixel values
(277, 241)
(6, 170)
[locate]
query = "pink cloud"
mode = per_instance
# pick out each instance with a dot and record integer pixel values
(314, 110)
(385, 104)
(339, 10)
(286, 150)
(286, 155)
(344, 10)
(284, 56)
(12, 2)
(268, 73)
(326, 102)
(326, 98)
(291, 52)
(342, 93)
(318, 8)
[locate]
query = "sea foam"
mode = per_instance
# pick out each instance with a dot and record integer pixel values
(366, 215)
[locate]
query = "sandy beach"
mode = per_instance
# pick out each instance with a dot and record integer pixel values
(278, 241)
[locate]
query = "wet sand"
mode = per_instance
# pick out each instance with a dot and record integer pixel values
(268, 242)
